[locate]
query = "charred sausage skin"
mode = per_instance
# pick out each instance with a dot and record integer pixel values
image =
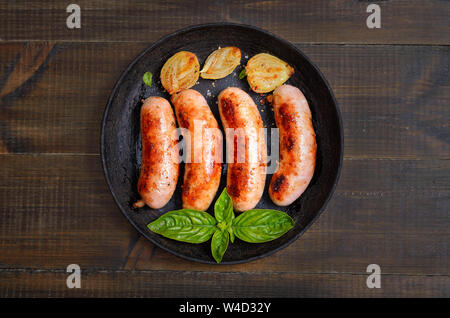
(246, 148)
(159, 168)
(297, 145)
(203, 171)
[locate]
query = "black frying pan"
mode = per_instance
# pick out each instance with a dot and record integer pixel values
(121, 143)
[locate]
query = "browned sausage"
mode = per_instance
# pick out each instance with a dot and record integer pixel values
(297, 145)
(246, 148)
(203, 171)
(160, 168)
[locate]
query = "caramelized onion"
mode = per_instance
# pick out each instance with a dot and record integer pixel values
(221, 63)
(180, 72)
(266, 72)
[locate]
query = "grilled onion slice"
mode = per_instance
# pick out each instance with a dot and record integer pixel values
(181, 71)
(266, 72)
(221, 63)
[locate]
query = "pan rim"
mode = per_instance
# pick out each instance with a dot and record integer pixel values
(193, 28)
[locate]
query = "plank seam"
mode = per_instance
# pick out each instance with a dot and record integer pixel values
(98, 154)
(294, 43)
(122, 271)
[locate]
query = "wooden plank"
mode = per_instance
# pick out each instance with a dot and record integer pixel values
(319, 21)
(56, 210)
(62, 210)
(394, 99)
(28, 283)
(60, 109)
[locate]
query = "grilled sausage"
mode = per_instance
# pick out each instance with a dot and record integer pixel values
(297, 145)
(203, 171)
(246, 148)
(160, 168)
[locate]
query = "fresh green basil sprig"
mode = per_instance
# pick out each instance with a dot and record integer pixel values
(193, 226)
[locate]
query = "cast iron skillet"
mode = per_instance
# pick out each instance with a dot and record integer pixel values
(121, 144)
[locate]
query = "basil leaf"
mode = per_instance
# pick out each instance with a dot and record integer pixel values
(230, 230)
(223, 208)
(185, 225)
(219, 244)
(147, 78)
(223, 211)
(242, 74)
(258, 226)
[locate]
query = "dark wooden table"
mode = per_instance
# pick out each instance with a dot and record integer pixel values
(391, 206)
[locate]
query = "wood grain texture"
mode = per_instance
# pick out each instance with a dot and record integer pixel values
(26, 283)
(391, 206)
(56, 210)
(26, 64)
(394, 99)
(319, 21)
